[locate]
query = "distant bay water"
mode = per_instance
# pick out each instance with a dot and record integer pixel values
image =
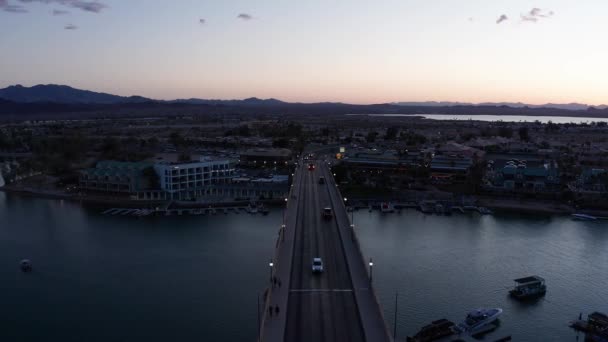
(505, 118)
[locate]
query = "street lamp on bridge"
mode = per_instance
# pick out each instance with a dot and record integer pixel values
(371, 268)
(271, 264)
(285, 211)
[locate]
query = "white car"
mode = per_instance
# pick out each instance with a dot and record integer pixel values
(317, 265)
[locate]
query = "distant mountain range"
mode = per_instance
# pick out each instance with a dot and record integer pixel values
(68, 95)
(63, 94)
(54, 101)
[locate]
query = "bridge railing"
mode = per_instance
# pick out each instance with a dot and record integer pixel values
(357, 245)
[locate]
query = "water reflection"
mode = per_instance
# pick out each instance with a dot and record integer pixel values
(444, 266)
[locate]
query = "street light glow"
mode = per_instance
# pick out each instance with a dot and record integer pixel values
(371, 264)
(272, 264)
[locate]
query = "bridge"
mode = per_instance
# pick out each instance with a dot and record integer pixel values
(337, 305)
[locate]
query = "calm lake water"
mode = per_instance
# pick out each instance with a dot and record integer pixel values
(505, 118)
(99, 278)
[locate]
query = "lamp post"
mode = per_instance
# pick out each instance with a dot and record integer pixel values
(259, 316)
(271, 264)
(283, 227)
(285, 211)
(395, 320)
(371, 268)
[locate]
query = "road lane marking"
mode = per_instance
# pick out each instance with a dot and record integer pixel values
(321, 290)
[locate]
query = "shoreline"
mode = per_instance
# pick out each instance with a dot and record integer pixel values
(520, 206)
(128, 203)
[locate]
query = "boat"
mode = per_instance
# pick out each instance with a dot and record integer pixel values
(387, 207)
(252, 209)
(26, 265)
(595, 327)
(528, 287)
(427, 207)
(485, 211)
(436, 330)
(439, 209)
(583, 217)
(478, 320)
(262, 209)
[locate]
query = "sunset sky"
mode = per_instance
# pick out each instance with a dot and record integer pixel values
(314, 50)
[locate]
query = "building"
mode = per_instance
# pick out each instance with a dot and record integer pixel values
(451, 164)
(265, 156)
(117, 177)
(387, 159)
(204, 180)
(190, 180)
(522, 175)
(592, 183)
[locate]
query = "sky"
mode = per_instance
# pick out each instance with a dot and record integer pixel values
(315, 50)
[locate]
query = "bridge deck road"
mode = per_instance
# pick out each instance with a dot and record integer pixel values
(321, 307)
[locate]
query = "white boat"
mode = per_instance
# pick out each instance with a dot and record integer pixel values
(477, 319)
(387, 207)
(439, 209)
(252, 209)
(583, 217)
(485, 211)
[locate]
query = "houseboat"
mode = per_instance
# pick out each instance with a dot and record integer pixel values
(595, 327)
(529, 287)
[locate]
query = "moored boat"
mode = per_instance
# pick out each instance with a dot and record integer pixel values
(436, 330)
(583, 217)
(478, 320)
(262, 209)
(252, 209)
(595, 327)
(387, 207)
(528, 287)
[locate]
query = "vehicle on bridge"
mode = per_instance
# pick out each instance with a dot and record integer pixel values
(327, 213)
(311, 167)
(317, 265)
(321, 180)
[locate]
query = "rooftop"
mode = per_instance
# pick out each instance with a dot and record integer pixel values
(267, 152)
(530, 279)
